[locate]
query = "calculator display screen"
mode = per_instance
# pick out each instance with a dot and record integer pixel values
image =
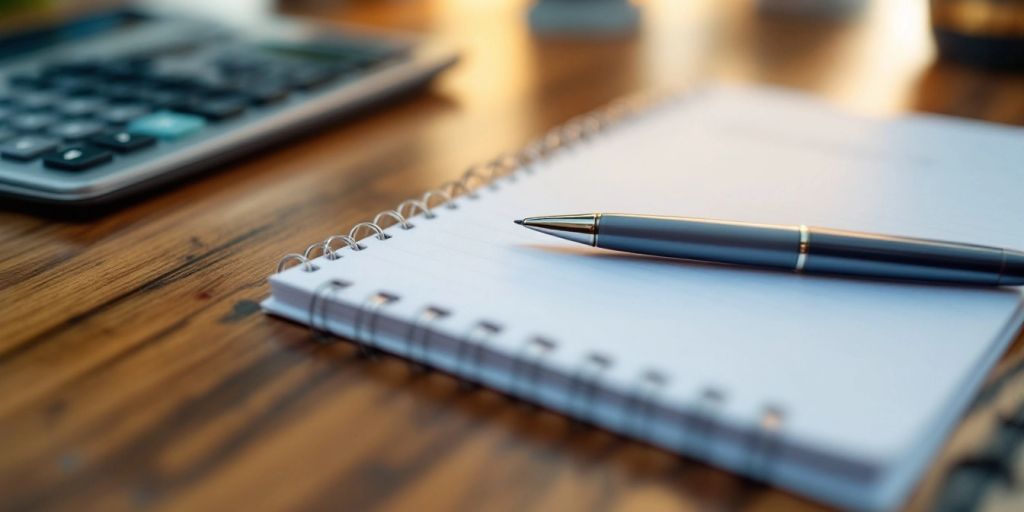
(301, 51)
(90, 25)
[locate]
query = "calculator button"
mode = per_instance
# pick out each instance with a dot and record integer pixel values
(167, 125)
(125, 91)
(264, 95)
(75, 130)
(77, 158)
(123, 113)
(215, 108)
(74, 85)
(6, 134)
(35, 100)
(123, 142)
(82, 106)
(310, 78)
(82, 67)
(25, 81)
(208, 87)
(27, 147)
(161, 98)
(123, 69)
(240, 63)
(31, 122)
(261, 91)
(166, 79)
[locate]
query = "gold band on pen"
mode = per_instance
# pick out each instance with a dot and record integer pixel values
(805, 246)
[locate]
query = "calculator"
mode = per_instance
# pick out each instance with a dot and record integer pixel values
(112, 103)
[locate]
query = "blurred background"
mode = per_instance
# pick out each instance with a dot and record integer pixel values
(869, 53)
(524, 67)
(522, 61)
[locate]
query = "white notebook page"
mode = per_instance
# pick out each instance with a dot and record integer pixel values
(861, 369)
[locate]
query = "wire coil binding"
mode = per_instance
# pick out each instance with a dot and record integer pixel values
(583, 386)
(642, 403)
(764, 442)
(318, 307)
(365, 323)
(506, 166)
(706, 418)
(419, 332)
(533, 351)
(471, 350)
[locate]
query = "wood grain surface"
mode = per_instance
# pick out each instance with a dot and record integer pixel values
(136, 371)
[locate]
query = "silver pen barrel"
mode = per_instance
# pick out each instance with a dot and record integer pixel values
(798, 248)
(696, 239)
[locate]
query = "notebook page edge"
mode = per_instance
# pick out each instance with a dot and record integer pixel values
(900, 483)
(792, 464)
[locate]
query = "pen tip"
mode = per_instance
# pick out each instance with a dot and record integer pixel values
(518, 221)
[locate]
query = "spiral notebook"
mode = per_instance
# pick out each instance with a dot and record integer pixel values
(838, 389)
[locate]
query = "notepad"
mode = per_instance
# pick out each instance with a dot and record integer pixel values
(835, 388)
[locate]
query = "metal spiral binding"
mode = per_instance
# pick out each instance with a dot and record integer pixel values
(705, 419)
(318, 307)
(639, 410)
(640, 407)
(365, 323)
(393, 215)
(471, 351)
(764, 442)
(419, 333)
(532, 353)
(489, 174)
(330, 253)
(584, 385)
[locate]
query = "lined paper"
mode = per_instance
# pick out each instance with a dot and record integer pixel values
(867, 371)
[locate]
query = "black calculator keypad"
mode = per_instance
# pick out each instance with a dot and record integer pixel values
(76, 115)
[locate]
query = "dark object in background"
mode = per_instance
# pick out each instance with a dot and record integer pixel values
(985, 33)
(830, 9)
(100, 105)
(584, 18)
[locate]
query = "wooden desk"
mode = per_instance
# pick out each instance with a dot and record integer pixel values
(137, 372)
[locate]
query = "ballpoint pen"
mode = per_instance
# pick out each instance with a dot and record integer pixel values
(800, 248)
